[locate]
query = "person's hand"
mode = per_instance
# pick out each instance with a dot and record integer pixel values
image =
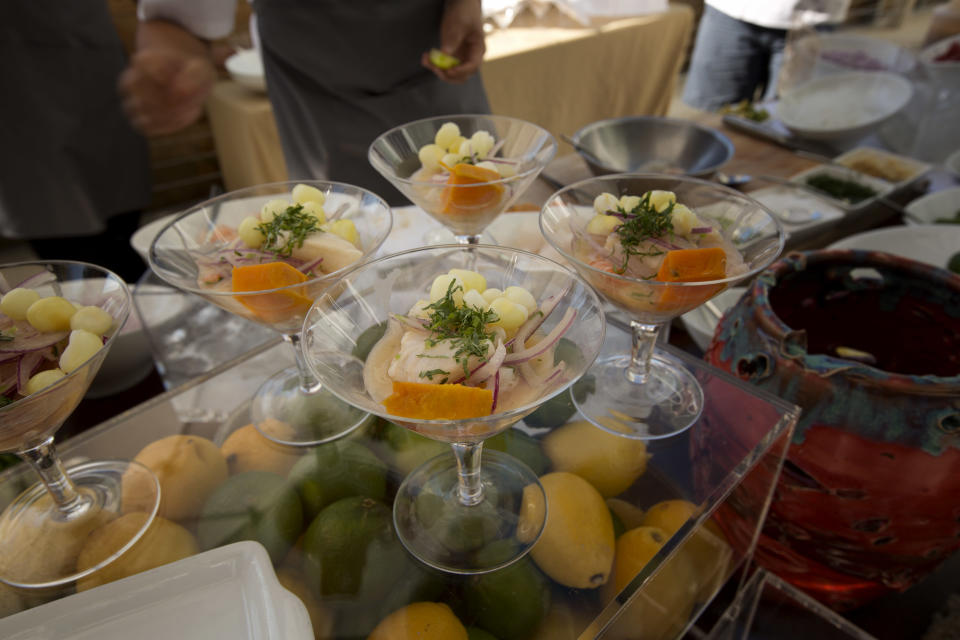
(164, 89)
(461, 36)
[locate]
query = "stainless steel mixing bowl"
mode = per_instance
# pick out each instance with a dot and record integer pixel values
(649, 144)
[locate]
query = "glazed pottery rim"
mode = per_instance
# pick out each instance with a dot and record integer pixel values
(795, 261)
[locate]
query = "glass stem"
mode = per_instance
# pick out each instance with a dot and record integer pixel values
(470, 488)
(469, 241)
(644, 338)
(45, 461)
(308, 382)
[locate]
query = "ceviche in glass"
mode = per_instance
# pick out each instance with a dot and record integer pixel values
(457, 343)
(265, 253)
(655, 247)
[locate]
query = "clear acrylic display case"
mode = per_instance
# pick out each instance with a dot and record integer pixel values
(725, 466)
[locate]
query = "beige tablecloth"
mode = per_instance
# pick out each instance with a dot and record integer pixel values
(561, 78)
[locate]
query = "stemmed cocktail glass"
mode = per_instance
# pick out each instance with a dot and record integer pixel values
(492, 170)
(450, 508)
(45, 370)
(202, 248)
(650, 393)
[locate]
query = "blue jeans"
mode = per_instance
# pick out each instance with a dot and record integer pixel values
(732, 61)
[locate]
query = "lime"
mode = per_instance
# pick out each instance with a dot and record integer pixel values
(509, 603)
(954, 263)
(559, 409)
(521, 446)
(442, 60)
(337, 470)
(476, 633)
(254, 505)
(407, 450)
(351, 550)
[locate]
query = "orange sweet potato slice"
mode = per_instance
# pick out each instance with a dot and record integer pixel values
(462, 198)
(438, 401)
(276, 306)
(690, 265)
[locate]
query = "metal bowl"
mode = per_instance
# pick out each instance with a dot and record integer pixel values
(648, 144)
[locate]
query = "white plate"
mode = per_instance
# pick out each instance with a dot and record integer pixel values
(143, 237)
(939, 204)
(795, 207)
(701, 323)
(931, 244)
(844, 106)
(246, 68)
(229, 592)
(947, 73)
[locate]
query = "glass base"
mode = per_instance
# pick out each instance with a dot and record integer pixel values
(282, 412)
(45, 550)
(666, 404)
(442, 532)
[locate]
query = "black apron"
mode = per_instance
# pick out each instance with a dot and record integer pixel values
(69, 159)
(341, 72)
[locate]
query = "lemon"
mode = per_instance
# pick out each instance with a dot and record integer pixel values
(577, 545)
(509, 602)
(188, 468)
(420, 621)
(524, 447)
(664, 604)
(246, 449)
(163, 542)
(630, 515)
(609, 462)
(707, 549)
(442, 60)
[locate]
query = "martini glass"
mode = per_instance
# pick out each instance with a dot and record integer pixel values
(452, 507)
(649, 392)
(43, 529)
(521, 150)
(204, 239)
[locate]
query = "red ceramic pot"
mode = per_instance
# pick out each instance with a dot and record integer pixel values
(868, 345)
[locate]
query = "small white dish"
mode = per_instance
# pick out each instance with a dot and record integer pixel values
(228, 592)
(931, 244)
(934, 206)
(143, 237)
(880, 187)
(246, 68)
(796, 207)
(701, 322)
(844, 106)
(884, 165)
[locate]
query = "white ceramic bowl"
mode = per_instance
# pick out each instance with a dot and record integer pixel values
(246, 68)
(845, 106)
(931, 244)
(844, 52)
(939, 204)
(143, 237)
(945, 74)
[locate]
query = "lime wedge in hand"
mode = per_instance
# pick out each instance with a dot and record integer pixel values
(442, 60)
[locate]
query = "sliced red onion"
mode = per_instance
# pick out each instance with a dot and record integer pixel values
(29, 339)
(548, 342)
(25, 369)
(488, 368)
(37, 279)
(411, 323)
(701, 230)
(307, 268)
(664, 244)
(536, 380)
(496, 391)
(536, 319)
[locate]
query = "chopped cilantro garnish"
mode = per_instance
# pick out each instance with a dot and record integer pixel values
(433, 372)
(640, 224)
(464, 326)
(288, 230)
